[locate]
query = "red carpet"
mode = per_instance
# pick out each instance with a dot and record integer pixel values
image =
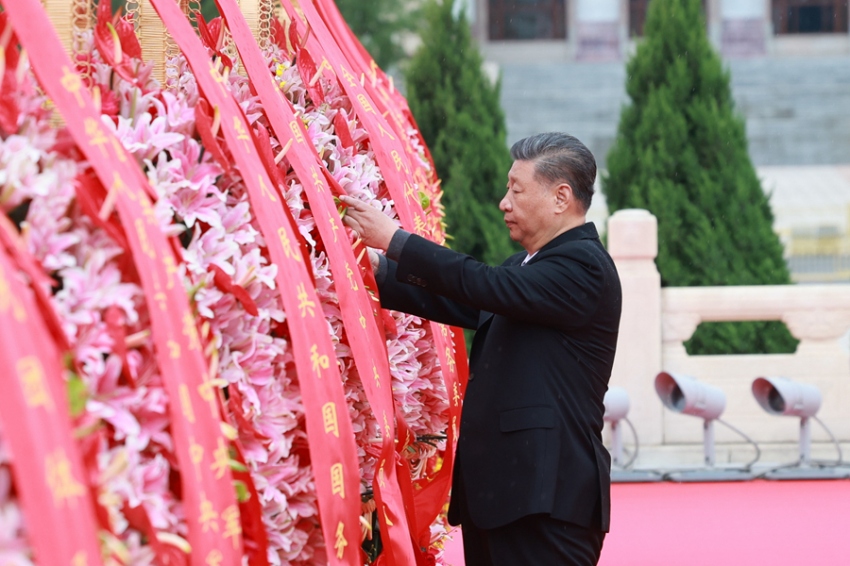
(725, 524)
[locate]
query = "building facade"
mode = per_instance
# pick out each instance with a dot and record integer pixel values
(604, 30)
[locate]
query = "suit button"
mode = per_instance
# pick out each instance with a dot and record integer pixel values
(411, 278)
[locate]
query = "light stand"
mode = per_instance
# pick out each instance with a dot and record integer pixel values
(616, 407)
(684, 394)
(782, 396)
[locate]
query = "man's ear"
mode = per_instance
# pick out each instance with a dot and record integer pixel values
(563, 197)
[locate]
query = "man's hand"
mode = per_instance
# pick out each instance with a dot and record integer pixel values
(373, 226)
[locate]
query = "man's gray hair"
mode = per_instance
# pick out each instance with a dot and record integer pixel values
(560, 157)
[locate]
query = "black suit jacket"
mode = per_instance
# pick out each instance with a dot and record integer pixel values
(530, 436)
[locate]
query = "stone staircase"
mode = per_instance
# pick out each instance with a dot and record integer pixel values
(797, 109)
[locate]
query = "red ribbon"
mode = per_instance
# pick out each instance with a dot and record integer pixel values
(392, 148)
(330, 436)
(46, 462)
(215, 532)
(365, 338)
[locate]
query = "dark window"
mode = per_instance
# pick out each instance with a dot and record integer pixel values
(637, 16)
(809, 16)
(527, 19)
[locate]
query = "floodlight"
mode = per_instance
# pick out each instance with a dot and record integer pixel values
(616, 408)
(785, 397)
(684, 394)
(617, 404)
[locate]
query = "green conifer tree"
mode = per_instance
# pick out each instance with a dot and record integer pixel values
(681, 153)
(458, 111)
(379, 25)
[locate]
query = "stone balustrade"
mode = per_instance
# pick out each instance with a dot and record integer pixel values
(656, 321)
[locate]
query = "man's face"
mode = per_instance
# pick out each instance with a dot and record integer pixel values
(527, 206)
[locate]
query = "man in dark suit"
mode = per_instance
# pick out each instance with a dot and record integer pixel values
(532, 477)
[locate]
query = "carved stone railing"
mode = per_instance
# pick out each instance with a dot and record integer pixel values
(656, 322)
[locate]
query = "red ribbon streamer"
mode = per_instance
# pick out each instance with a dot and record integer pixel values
(365, 337)
(46, 462)
(215, 532)
(392, 153)
(330, 436)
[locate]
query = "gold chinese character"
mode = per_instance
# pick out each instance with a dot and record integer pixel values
(214, 558)
(387, 430)
(31, 376)
(329, 418)
(264, 190)
(376, 376)
(79, 559)
(408, 192)
(96, 135)
(340, 543)
(287, 244)
(454, 426)
(399, 163)
(221, 459)
(350, 274)
(317, 181)
(305, 305)
(338, 480)
(456, 395)
(186, 403)
(72, 82)
(319, 362)
(60, 479)
(362, 320)
(9, 301)
(241, 134)
(296, 132)
(208, 516)
(382, 476)
(387, 517)
(147, 211)
(346, 74)
(384, 132)
(173, 349)
(419, 225)
(232, 524)
(196, 453)
(160, 297)
(190, 331)
(450, 360)
(333, 226)
(364, 102)
(207, 390)
(171, 270)
(142, 233)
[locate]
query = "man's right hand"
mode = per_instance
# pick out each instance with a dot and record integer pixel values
(374, 227)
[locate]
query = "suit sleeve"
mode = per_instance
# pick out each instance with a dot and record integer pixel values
(413, 299)
(562, 289)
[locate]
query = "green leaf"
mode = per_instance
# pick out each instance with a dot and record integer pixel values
(242, 493)
(77, 395)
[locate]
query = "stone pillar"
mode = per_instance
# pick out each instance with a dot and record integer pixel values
(633, 243)
(597, 30)
(743, 27)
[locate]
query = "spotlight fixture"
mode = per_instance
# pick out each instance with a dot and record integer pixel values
(684, 394)
(616, 408)
(784, 397)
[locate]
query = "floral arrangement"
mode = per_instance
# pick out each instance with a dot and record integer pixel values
(119, 404)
